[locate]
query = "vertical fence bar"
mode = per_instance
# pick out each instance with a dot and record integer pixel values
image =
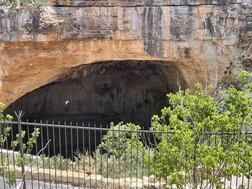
(43, 137)
(30, 156)
(77, 151)
(100, 166)
(89, 154)
(248, 178)
(125, 166)
(83, 155)
(13, 152)
(95, 156)
(72, 149)
(136, 167)
(36, 150)
(2, 162)
(54, 154)
(60, 155)
(108, 156)
(119, 147)
(19, 116)
(113, 155)
(8, 159)
(142, 159)
(131, 161)
(49, 153)
(148, 146)
(65, 129)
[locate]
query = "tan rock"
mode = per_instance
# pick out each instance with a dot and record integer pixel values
(152, 178)
(41, 47)
(94, 181)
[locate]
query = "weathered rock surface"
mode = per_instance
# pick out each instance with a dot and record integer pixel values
(208, 40)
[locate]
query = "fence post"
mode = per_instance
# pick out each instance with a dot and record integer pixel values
(19, 116)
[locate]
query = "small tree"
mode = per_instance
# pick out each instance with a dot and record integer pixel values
(5, 162)
(205, 138)
(4, 134)
(126, 150)
(122, 139)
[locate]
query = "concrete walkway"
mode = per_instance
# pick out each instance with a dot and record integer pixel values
(39, 185)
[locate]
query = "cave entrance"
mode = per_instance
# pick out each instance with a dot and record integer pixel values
(104, 92)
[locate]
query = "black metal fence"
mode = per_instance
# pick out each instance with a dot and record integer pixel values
(97, 156)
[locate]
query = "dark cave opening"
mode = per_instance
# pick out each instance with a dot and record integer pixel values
(95, 95)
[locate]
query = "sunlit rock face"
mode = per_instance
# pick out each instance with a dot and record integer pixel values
(208, 41)
(129, 91)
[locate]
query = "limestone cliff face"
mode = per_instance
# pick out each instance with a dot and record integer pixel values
(208, 40)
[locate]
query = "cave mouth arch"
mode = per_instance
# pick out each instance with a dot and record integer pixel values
(97, 94)
(103, 92)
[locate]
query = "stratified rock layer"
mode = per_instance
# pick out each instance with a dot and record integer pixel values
(208, 40)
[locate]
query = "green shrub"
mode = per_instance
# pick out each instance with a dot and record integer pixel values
(126, 152)
(208, 136)
(122, 139)
(5, 160)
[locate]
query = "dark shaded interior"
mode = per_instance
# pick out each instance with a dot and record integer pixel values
(100, 93)
(129, 91)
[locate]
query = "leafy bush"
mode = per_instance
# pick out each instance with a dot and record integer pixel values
(4, 134)
(5, 161)
(122, 139)
(126, 152)
(206, 137)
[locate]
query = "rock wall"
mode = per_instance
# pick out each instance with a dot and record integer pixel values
(209, 40)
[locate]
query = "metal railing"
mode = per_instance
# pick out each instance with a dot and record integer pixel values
(90, 156)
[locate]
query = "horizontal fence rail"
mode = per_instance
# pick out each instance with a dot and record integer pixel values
(97, 156)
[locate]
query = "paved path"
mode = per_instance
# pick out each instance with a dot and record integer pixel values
(39, 185)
